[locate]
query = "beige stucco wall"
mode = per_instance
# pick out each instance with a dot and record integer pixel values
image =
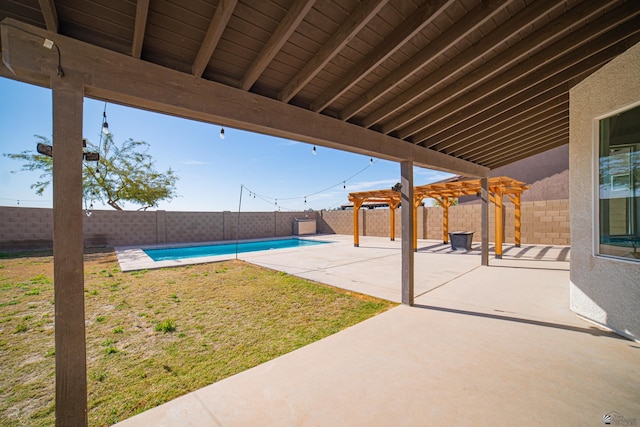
(603, 290)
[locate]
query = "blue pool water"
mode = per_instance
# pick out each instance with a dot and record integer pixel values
(226, 249)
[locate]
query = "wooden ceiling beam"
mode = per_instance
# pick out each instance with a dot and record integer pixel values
(501, 127)
(221, 17)
(530, 151)
(140, 26)
(550, 127)
(470, 22)
(550, 135)
(402, 34)
(513, 25)
(349, 28)
(122, 79)
(287, 26)
(50, 15)
(478, 78)
(523, 130)
(512, 96)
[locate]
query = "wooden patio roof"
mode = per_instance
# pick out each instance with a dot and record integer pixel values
(485, 81)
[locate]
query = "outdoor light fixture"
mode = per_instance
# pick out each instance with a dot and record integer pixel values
(105, 125)
(314, 150)
(221, 133)
(397, 187)
(370, 160)
(45, 149)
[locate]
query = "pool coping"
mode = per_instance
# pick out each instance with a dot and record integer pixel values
(132, 258)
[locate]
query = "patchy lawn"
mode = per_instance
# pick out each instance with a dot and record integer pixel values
(155, 335)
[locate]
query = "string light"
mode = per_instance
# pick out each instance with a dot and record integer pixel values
(222, 133)
(105, 125)
(314, 150)
(274, 201)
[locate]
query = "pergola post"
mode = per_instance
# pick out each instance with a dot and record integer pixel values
(444, 202)
(484, 221)
(356, 233)
(415, 225)
(408, 214)
(516, 202)
(392, 219)
(498, 221)
(68, 267)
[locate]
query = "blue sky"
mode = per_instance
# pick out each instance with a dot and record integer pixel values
(211, 170)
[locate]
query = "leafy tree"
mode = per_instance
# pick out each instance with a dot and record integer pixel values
(124, 173)
(453, 201)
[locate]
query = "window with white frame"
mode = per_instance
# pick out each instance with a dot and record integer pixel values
(619, 185)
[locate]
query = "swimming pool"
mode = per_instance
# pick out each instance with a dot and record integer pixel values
(168, 254)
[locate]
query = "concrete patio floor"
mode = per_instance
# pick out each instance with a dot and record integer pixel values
(493, 345)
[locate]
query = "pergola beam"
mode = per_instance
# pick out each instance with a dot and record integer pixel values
(125, 80)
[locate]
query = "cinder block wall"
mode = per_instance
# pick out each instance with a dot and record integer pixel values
(32, 228)
(543, 222)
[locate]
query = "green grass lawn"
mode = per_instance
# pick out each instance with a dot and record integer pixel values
(155, 335)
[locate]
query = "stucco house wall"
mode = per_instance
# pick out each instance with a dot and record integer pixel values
(604, 290)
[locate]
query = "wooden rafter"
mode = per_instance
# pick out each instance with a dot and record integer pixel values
(50, 15)
(557, 58)
(515, 24)
(287, 26)
(495, 68)
(142, 11)
(466, 25)
(510, 123)
(403, 33)
(216, 28)
(354, 23)
(542, 91)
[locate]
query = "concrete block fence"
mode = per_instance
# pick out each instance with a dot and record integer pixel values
(543, 222)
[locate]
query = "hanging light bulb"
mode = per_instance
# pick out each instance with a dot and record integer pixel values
(314, 150)
(305, 200)
(222, 133)
(105, 125)
(370, 160)
(344, 185)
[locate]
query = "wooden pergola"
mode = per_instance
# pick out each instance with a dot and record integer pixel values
(445, 193)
